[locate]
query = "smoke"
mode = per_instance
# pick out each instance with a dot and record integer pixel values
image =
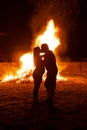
(65, 15)
(2, 33)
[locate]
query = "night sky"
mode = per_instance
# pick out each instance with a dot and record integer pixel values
(21, 20)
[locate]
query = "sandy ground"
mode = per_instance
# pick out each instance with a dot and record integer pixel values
(69, 111)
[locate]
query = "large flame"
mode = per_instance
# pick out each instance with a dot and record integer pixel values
(49, 36)
(26, 68)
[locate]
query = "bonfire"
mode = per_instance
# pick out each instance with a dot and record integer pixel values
(49, 36)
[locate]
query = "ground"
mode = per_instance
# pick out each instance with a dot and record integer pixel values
(69, 110)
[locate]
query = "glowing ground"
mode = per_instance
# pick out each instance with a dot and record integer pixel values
(69, 110)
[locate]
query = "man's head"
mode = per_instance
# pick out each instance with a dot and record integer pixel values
(44, 47)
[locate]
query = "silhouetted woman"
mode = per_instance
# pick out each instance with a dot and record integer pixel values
(38, 72)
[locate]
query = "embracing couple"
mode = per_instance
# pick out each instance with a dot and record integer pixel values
(46, 61)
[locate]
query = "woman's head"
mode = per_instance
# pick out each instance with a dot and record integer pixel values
(37, 50)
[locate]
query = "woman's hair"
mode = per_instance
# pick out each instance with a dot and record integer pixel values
(36, 53)
(36, 50)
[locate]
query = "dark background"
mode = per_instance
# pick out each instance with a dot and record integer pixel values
(21, 20)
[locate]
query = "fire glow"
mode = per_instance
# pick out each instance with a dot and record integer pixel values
(49, 36)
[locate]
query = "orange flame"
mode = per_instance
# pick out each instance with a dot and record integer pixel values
(50, 37)
(26, 68)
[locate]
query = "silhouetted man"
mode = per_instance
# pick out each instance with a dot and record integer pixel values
(52, 70)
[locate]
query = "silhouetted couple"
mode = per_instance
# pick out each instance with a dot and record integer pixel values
(48, 62)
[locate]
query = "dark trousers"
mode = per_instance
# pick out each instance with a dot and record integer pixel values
(50, 85)
(37, 82)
